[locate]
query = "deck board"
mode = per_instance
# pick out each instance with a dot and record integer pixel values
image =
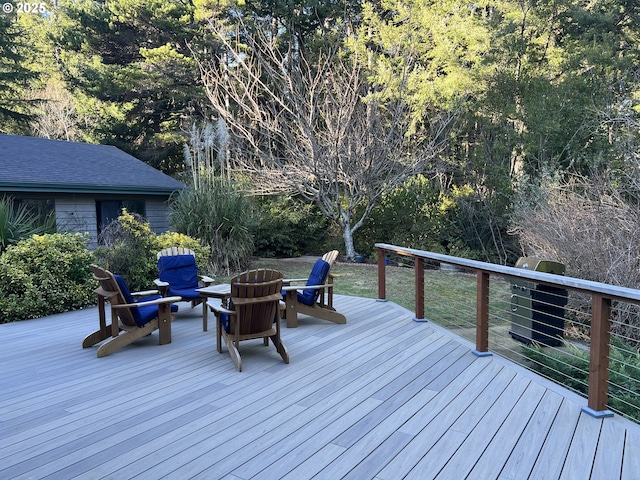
(553, 454)
(582, 451)
(461, 458)
(430, 423)
(382, 397)
(525, 453)
(631, 458)
(507, 435)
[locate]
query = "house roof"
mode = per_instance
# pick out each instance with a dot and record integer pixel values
(31, 164)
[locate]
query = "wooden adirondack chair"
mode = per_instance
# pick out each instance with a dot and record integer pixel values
(131, 319)
(253, 313)
(315, 298)
(178, 275)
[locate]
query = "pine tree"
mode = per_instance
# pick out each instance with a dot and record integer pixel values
(14, 76)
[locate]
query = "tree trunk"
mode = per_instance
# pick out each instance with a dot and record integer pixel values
(347, 234)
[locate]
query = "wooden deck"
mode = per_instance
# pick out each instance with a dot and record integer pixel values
(382, 397)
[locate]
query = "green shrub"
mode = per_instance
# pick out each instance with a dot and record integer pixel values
(219, 213)
(571, 369)
(475, 224)
(458, 222)
(43, 275)
(131, 247)
(128, 251)
(174, 239)
(409, 215)
(288, 227)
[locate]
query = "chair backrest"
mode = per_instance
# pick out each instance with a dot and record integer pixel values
(114, 288)
(318, 276)
(180, 271)
(330, 257)
(167, 252)
(255, 296)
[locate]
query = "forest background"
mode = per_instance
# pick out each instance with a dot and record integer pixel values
(487, 130)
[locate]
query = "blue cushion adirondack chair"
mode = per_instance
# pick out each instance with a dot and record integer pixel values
(178, 275)
(315, 298)
(253, 312)
(131, 318)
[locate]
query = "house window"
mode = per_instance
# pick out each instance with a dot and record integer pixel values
(109, 210)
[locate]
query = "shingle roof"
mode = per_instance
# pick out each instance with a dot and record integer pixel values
(44, 165)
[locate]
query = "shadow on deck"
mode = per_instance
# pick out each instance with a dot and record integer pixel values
(382, 397)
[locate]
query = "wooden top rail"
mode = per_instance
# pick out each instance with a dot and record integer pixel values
(613, 292)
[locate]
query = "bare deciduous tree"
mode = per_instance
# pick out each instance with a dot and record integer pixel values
(316, 128)
(57, 116)
(591, 228)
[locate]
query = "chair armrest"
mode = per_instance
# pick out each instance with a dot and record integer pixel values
(145, 293)
(305, 287)
(105, 294)
(157, 301)
(288, 281)
(219, 308)
(159, 283)
(206, 280)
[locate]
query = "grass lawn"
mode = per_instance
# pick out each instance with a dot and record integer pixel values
(450, 298)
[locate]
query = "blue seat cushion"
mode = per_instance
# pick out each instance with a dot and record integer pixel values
(149, 312)
(179, 271)
(144, 314)
(224, 319)
(317, 276)
(185, 293)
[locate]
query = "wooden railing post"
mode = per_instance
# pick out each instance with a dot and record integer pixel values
(599, 357)
(482, 315)
(419, 282)
(382, 286)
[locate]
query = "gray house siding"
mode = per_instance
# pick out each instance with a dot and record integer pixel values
(158, 215)
(77, 215)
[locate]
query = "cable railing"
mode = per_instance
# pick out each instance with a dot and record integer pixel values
(581, 334)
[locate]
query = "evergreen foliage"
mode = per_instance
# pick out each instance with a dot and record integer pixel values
(129, 251)
(131, 61)
(571, 369)
(15, 74)
(410, 215)
(43, 275)
(288, 227)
